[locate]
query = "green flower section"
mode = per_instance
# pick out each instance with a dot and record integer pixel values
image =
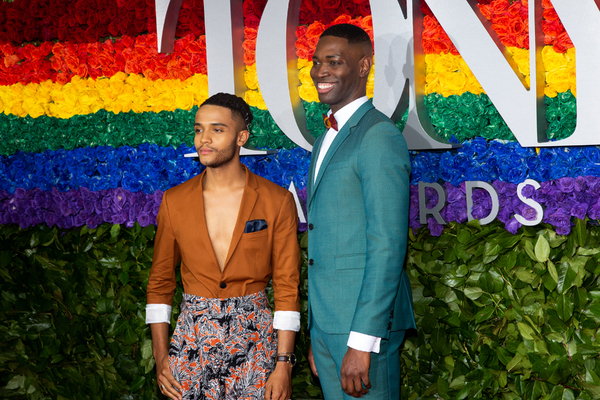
(468, 116)
(105, 128)
(102, 128)
(464, 117)
(561, 113)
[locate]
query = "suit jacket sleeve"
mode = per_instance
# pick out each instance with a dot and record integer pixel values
(161, 284)
(285, 258)
(384, 168)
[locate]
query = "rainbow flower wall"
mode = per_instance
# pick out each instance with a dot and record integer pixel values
(95, 122)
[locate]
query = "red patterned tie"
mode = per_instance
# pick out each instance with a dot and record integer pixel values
(330, 122)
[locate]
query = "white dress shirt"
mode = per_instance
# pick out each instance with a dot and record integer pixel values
(356, 340)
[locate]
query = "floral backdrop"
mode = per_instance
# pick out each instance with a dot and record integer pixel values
(95, 123)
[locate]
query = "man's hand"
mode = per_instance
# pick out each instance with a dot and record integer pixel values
(279, 384)
(355, 372)
(311, 361)
(166, 382)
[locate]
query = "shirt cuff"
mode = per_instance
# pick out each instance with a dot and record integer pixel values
(362, 342)
(287, 321)
(156, 313)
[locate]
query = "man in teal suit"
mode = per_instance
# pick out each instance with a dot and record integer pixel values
(360, 300)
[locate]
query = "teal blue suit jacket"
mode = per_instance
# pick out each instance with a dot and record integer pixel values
(358, 228)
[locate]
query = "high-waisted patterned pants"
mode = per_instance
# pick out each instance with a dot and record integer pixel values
(223, 349)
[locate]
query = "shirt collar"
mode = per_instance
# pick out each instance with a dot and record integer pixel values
(343, 114)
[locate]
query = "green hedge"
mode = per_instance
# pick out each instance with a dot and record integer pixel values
(504, 316)
(72, 312)
(500, 316)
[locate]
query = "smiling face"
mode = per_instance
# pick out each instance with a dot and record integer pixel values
(218, 136)
(340, 71)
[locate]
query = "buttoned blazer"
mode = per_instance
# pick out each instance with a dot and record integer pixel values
(358, 212)
(254, 257)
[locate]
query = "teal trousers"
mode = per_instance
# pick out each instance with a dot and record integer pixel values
(384, 373)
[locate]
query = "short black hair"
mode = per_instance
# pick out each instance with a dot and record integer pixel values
(352, 33)
(237, 105)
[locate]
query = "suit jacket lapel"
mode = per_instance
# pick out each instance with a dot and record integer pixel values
(339, 139)
(311, 171)
(248, 201)
(200, 219)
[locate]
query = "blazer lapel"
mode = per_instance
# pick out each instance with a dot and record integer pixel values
(311, 172)
(200, 219)
(339, 139)
(248, 201)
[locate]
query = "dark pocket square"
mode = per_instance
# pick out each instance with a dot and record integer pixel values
(255, 225)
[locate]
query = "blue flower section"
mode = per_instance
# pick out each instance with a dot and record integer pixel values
(478, 160)
(146, 168)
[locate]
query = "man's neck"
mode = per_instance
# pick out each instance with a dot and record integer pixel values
(226, 177)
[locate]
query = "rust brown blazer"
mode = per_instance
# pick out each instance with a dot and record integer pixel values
(253, 257)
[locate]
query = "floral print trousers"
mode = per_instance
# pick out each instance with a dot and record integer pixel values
(223, 349)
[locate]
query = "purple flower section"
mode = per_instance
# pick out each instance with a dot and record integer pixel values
(302, 226)
(78, 207)
(561, 199)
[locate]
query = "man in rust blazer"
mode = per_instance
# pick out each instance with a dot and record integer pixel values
(232, 231)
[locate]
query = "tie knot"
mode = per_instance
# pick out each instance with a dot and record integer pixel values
(330, 122)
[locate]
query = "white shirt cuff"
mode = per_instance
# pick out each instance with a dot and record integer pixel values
(287, 321)
(362, 342)
(156, 313)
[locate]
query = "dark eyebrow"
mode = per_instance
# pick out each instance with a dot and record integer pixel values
(212, 124)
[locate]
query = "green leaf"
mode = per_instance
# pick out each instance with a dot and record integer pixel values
(137, 384)
(564, 307)
(17, 381)
(146, 349)
(130, 336)
(525, 276)
(526, 331)
(115, 230)
(117, 327)
(542, 249)
(504, 355)
(485, 314)
(503, 379)
(457, 383)
(528, 247)
(473, 293)
(566, 276)
(552, 271)
(110, 262)
(515, 363)
(592, 390)
(439, 342)
(124, 277)
(581, 231)
(464, 236)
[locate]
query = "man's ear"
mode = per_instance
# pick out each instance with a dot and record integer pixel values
(242, 137)
(365, 66)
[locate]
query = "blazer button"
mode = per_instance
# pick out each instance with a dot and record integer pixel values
(310, 227)
(311, 261)
(223, 285)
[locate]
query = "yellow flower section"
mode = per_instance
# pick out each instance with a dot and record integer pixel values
(448, 74)
(307, 89)
(560, 71)
(445, 74)
(119, 93)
